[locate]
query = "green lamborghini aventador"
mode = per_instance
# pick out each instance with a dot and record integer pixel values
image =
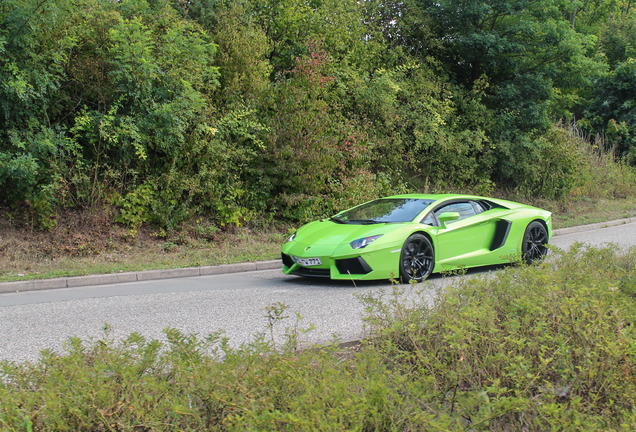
(411, 236)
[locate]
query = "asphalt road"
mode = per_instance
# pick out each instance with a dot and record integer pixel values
(235, 303)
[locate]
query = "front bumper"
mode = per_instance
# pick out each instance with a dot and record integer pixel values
(377, 264)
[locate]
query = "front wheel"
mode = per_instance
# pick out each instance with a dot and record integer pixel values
(417, 258)
(535, 241)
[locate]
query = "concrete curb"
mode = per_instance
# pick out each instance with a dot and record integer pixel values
(105, 279)
(79, 281)
(594, 226)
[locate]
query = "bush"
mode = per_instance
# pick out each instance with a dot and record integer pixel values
(548, 347)
(549, 165)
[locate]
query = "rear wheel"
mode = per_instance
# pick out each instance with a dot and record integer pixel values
(417, 258)
(535, 242)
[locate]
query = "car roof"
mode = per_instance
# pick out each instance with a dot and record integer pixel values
(435, 197)
(439, 198)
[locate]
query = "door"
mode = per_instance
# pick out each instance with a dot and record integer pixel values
(466, 240)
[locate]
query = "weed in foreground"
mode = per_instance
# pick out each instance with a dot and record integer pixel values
(548, 347)
(534, 348)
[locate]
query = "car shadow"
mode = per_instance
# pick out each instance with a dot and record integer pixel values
(322, 282)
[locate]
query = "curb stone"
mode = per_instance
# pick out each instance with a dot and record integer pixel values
(106, 279)
(594, 226)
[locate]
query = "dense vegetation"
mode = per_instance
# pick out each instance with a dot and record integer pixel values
(530, 348)
(241, 109)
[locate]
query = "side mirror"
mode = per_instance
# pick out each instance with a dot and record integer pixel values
(447, 217)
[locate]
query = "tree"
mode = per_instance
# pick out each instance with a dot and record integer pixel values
(522, 48)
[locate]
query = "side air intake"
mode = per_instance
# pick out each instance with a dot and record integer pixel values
(501, 234)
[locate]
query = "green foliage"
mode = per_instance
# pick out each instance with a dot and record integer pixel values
(237, 110)
(614, 108)
(533, 348)
(18, 174)
(34, 47)
(312, 150)
(33, 165)
(522, 47)
(289, 24)
(424, 129)
(551, 165)
(243, 51)
(134, 208)
(618, 39)
(602, 176)
(538, 348)
(127, 94)
(627, 285)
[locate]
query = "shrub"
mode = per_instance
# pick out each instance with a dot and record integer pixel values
(133, 208)
(549, 347)
(549, 165)
(529, 348)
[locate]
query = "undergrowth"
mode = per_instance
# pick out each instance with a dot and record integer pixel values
(549, 347)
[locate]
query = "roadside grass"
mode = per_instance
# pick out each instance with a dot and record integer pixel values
(24, 257)
(141, 258)
(583, 211)
(76, 249)
(548, 347)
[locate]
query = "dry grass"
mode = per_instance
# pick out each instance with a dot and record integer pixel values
(88, 243)
(583, 211)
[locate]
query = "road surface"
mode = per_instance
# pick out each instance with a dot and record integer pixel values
(235, 303)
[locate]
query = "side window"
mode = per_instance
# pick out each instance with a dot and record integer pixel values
(483, 206)
(429, 220)
(465, 209)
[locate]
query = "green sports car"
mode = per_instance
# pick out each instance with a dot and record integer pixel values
(411, 236)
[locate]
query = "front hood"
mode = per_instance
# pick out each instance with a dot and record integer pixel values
(328, 233)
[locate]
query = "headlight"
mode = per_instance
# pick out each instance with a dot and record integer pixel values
(291, 238)
(364, 242)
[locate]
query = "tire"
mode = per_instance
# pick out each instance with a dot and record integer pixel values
(535, 240)
(417, 258)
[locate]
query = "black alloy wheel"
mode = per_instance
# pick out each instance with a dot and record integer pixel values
(417, 258)
(535, 240)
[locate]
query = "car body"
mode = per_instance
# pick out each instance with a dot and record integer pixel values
(411, 236)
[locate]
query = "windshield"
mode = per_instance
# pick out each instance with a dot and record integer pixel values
(391, 210)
